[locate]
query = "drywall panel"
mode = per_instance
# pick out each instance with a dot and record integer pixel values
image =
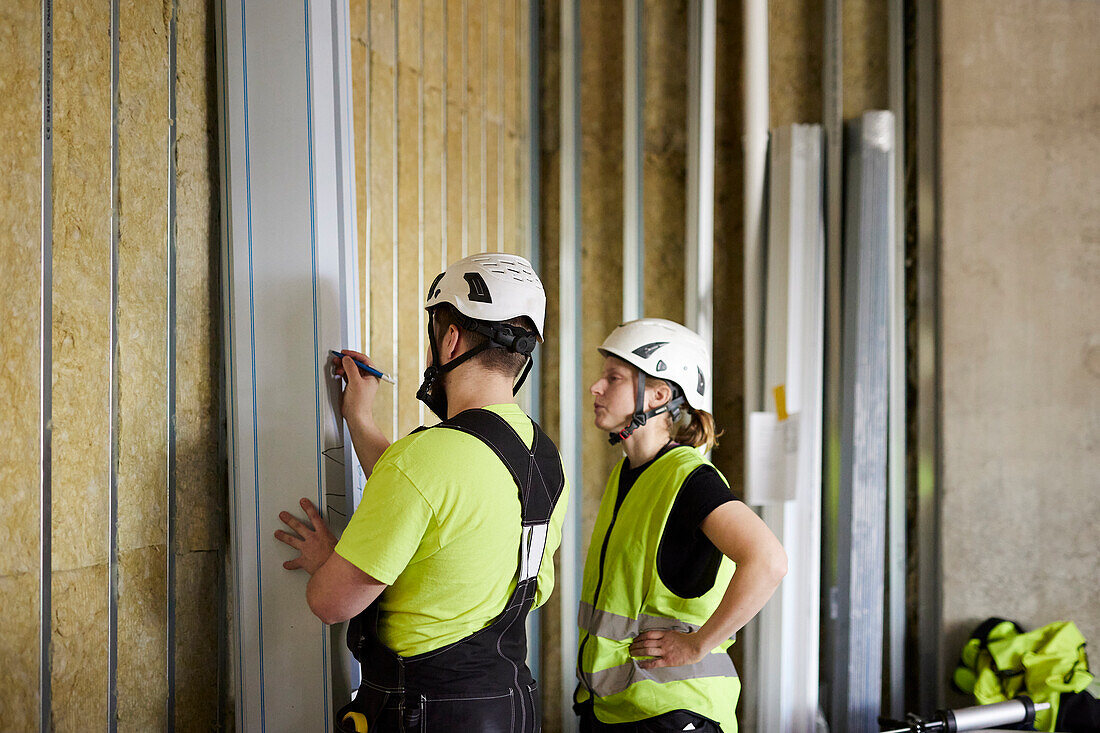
(1020, 284)
(290, 297)
(20, 372)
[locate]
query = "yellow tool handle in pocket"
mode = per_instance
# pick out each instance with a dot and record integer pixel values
(358, 722)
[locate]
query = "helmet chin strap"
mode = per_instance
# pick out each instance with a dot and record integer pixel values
(640, 416)
(431, 391)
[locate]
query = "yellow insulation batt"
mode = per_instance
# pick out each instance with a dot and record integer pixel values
(142, 367)
(200, 479)
(382, 146)
(409, 290)
(81, 351)
(20, 307)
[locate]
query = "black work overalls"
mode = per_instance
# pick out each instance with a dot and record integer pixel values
(481, 682)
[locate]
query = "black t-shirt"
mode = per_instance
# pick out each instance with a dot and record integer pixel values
(687, 561)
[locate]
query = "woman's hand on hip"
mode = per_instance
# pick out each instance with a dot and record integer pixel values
(667, 648)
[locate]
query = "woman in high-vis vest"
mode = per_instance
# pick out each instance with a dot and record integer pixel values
(661, 602)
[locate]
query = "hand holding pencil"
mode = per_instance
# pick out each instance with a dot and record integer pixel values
(360, 361)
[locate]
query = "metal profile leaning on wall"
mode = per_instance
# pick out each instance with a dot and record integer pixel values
(661, 600)
(427, 567)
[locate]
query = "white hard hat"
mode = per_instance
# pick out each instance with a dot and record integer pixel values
(665, 350)
(491, 287)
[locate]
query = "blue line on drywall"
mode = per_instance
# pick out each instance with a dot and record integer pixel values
(316, 340)
(230, 356)
(252, 335)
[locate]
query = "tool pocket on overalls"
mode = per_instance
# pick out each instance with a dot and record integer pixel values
(362, 714)
(484, 713)
(532, 719)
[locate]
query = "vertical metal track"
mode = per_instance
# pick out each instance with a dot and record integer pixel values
(834, 131)
(444, 223)
(929, 609)
(534, 250)
(170, 489)
(365, 263)
(420, 332)
(45, 387)
(570, 287)
(633, 179)
(756, 105)
(483, 140)
(465, 128)
(326, 683)
(483, 135)
(861, 537)
(112, 361)
(502, 134)
(395, 428)
(699, 249)
(896, 501)
(233, 636)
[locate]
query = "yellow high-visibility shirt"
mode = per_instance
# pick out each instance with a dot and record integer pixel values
(439, 523)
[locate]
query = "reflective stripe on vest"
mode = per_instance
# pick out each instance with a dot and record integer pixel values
(608, 682)
(620, 628)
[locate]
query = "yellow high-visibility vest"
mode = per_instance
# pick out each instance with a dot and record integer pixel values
(623, 595)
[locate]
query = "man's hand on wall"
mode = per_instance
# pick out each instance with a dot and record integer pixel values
(313, 540)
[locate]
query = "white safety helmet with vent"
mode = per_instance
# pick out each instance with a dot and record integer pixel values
(664, 350)
(486, 290)
(491, 287)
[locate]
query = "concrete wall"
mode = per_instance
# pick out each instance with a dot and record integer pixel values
(1020, 278)
(165, 583)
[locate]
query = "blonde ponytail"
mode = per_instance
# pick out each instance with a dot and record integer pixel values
(695, 427)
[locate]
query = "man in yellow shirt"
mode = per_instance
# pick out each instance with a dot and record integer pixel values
(452, 543)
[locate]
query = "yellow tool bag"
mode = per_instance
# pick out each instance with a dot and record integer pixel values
(1049, 664)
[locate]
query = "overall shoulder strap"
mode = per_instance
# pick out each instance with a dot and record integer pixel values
(536, 470)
